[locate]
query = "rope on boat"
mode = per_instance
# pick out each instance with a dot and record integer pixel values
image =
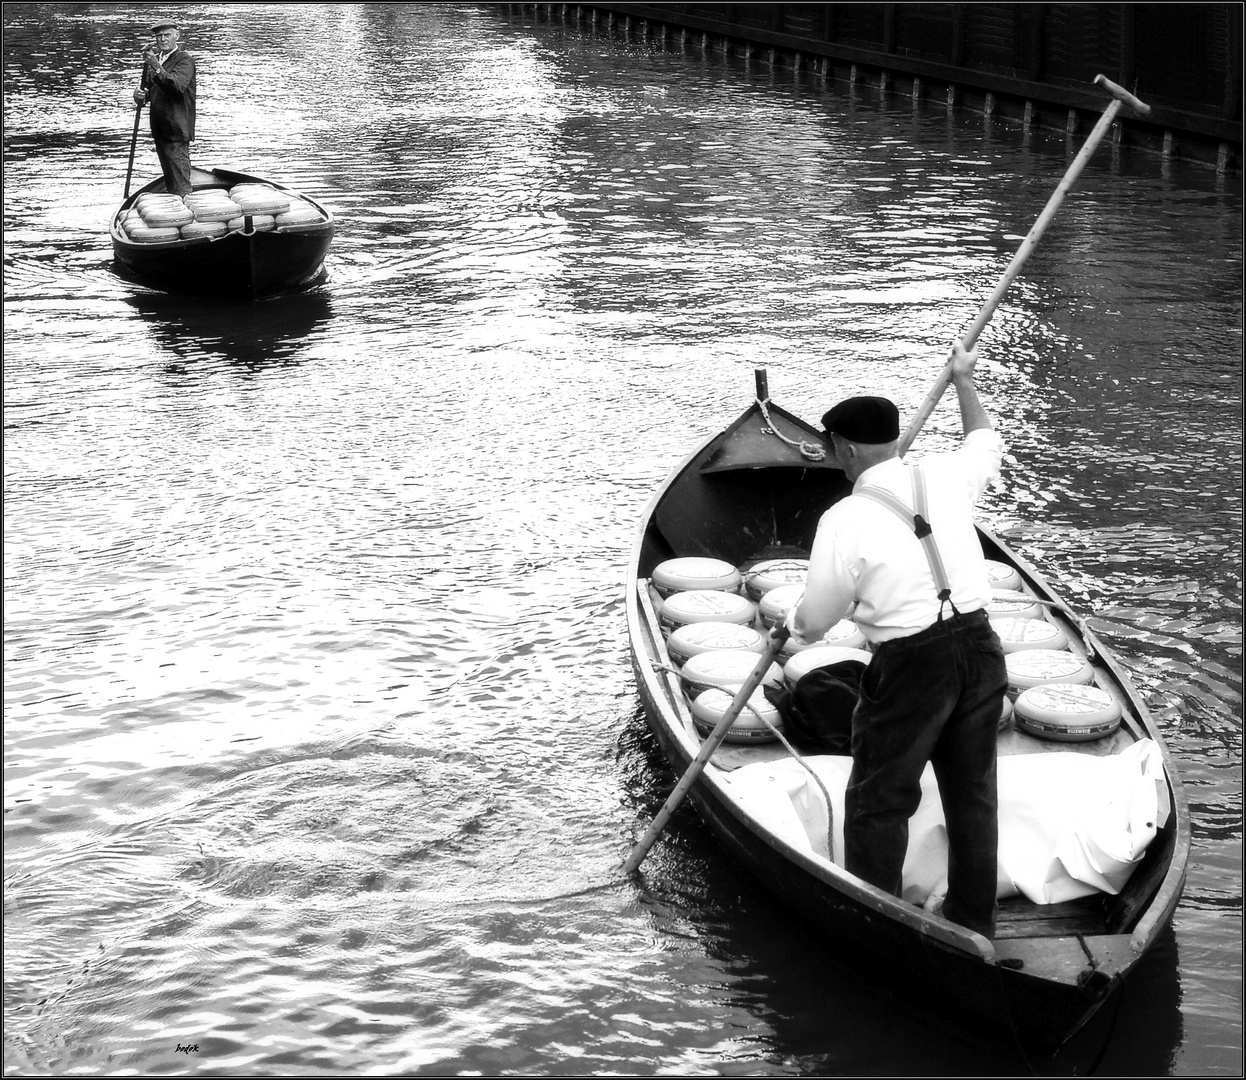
(810, 450)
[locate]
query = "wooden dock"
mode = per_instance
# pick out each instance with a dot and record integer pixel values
(1031, 64)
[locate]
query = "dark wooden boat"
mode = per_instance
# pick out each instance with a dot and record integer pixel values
(241, 264)
(745, 495)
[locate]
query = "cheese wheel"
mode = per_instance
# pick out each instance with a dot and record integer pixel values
(819, 656)
(156, 217)
(273, 203)
(724, 670)
(1011, 604)
(769, 574)
(259, 223)
(705, 605)
(691, 639)
(774, 605)
(299, 214)
(1037, 667)
(145, 234)
(1003, 576)
(694, 572)
(1067, 712)
(1005, 713)
(711, 705)
(213, 211)
(1017, 634)
(844, 633)
(209, 229)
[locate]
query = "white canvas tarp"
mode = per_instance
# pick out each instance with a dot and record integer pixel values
(1070, 824)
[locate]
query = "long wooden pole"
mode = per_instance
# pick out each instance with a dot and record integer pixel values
(777, 638)
(129, 170)
(1120, 96)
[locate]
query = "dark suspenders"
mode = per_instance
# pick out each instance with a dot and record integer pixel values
(920, 525)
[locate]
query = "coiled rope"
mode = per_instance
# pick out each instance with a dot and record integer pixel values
(809, 450)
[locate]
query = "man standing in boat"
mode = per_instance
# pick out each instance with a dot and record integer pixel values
(934, 689)
(169, 84)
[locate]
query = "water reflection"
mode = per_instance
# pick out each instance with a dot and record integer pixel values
(257, 335)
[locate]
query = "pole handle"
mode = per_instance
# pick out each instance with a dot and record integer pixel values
(1018, 260)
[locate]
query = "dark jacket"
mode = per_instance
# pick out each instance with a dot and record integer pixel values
(172, 96)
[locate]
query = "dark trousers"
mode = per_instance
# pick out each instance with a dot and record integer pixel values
(934, 696)
(175, 163)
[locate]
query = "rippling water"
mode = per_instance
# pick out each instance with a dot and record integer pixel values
(322, 750)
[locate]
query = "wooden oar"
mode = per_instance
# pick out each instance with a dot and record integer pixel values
(1120, 96)
(129, 170)
(777, 638)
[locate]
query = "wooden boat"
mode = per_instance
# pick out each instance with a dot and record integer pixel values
(244, 263)
(746, 495)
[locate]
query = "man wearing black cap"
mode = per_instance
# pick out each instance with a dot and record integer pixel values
(169, 84)
(934, 689)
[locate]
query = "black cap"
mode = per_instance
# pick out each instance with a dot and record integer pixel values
(163, 26)
(864, 420)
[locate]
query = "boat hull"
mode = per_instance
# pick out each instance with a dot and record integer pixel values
(239, 264)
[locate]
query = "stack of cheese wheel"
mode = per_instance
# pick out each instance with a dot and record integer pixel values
(817, 656)
(705, 605)
(1067, 712)
(1018, 634)
(694, 572)
(213, 210)
(774, 605)
(1040, 667)
(163, 211)
(711, 705)
(1012, 604)
(725, 669)
(691, 639)
(300, 213)
(1002, 576)
(260, 199)
(769, 574)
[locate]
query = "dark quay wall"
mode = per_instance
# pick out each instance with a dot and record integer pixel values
(1033, 63)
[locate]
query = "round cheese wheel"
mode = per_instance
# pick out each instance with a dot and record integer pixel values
(817, 656)
(259, 223)
(1037, 667)
(203, 228)
(694, 572)
(691, 639)
(711, 705)
(156, 217)
(769, 574)
(844, 633)
(1005, 714)
(1011, 604)
(1003, 576)
(300, 213)
(145, 234)
(705, 605)
(1018, 634)
(1068, 712)
(724, 670)
(774, 605)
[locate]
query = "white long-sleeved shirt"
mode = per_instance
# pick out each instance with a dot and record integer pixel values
(864, 554)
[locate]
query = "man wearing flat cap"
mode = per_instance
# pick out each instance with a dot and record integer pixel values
(169, 84)
(904, 549)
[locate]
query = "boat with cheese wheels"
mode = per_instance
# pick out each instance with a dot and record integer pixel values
(234, 235)
(1094, 824)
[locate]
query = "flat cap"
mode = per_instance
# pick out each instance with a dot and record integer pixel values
(164, 26)
(864, 420)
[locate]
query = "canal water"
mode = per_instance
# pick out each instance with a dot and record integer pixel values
(322, 749)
